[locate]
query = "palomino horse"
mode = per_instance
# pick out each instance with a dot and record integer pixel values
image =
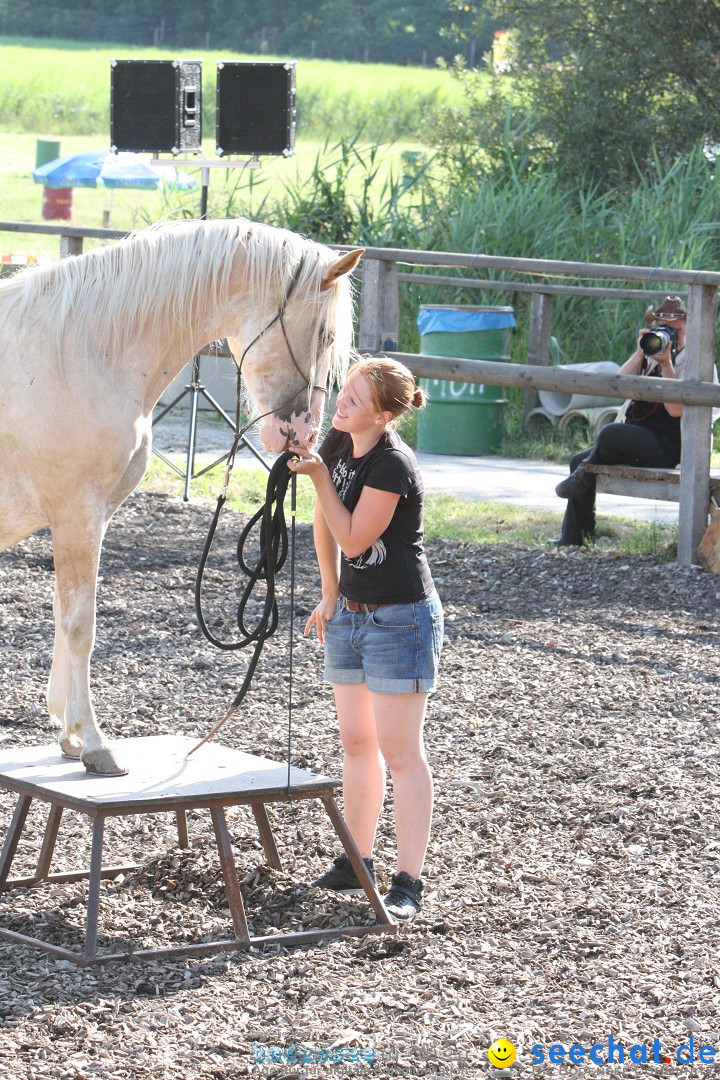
(87, 346)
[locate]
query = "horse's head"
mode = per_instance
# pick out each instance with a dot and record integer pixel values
(290, 350)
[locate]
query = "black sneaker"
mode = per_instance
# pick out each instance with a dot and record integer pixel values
(341, 876)
(404, 899)
(576, 484)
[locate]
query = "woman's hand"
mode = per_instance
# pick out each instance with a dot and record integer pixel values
(305, 462)
(664, 359)
(324, 611)
(633, 364)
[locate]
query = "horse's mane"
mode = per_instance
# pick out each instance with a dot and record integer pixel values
(163, 281)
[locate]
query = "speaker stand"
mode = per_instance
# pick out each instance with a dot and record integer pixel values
(204, 185)
(196, 390)
(205, 165)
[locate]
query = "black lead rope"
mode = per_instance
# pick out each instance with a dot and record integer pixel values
(293, 515)
(293, 518)
(273, 544)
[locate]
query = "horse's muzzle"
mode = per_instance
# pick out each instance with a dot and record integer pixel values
(278, 435)
(300, 429)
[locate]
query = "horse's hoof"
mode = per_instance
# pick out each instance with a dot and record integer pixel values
(70, 749)
(103, 762)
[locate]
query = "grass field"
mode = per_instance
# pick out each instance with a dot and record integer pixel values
(21, 198)
(64, 88)
(61, 91)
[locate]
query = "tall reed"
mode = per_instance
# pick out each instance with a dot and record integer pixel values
(670, 219)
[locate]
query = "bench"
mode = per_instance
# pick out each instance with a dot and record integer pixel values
(661, 484)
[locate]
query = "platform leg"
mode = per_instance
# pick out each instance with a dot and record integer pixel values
(91, 925)
(232, 885)
(13, 836)
(355, 858)
(182, 828)
(48, 844)
(266, 835)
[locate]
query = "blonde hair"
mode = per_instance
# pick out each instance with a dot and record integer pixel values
(392, 385)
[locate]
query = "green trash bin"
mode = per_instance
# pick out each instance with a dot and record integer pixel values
(463, 418)
(46, 150)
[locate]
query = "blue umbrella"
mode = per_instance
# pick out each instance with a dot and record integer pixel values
(123, 170)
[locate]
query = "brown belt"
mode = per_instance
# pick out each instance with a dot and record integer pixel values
(355, 605)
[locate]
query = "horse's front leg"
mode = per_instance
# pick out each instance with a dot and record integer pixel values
(57, 690)
(76, 549)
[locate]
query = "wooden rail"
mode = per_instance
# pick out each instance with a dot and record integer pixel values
(564, 380)
(379, 325)
(380, 319)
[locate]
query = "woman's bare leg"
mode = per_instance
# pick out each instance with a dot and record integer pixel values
(399, 720)
(363, 768)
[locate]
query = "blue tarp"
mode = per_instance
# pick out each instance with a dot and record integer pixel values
(458, 321)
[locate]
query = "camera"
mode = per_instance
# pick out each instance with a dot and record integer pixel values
(657, 340)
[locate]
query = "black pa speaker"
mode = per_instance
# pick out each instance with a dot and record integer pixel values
(156, 105)
(255, 111)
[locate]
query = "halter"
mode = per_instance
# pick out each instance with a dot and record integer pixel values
(278, 317)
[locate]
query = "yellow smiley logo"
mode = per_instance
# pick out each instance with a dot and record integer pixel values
(501, 1054)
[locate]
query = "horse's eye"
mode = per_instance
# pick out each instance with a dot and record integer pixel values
(327, 337)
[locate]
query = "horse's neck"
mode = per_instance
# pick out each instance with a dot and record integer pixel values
(167, 365)
(160, 366)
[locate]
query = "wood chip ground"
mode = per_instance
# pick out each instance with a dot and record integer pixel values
(573, 878)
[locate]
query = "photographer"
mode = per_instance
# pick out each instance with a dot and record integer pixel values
(647, 433)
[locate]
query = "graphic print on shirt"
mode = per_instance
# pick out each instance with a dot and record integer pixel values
(372, 556)
(342, 478)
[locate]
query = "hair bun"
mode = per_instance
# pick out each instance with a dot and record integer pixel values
(419, 398)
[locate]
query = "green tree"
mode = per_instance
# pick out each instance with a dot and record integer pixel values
(608, 86)
(400, 31)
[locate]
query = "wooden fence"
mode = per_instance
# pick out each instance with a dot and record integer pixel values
(384, 268)
(379, 322)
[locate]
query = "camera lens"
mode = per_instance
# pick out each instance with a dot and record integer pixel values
(654, 341)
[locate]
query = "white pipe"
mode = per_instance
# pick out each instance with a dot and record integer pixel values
(559, 403)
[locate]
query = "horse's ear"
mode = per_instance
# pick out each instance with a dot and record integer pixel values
(344, 265)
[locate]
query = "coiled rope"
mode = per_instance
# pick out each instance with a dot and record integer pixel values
(273, 545)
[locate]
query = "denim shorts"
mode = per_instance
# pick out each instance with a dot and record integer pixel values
(393, 650)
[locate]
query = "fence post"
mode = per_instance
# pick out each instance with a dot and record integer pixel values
(379, 307)
(71, 245)
(696, 423)
(539, 333)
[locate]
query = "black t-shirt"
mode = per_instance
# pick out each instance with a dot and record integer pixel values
(653, 414)
(394, 570)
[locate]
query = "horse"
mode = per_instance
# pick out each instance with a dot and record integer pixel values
(87, 346)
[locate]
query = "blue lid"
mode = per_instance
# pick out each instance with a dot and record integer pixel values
(457, 320)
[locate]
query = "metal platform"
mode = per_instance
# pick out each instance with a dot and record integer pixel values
(162, 779)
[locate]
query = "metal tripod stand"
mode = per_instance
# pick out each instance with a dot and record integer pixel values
(196, 389)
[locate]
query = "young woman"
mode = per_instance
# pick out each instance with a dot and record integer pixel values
(380, 618)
